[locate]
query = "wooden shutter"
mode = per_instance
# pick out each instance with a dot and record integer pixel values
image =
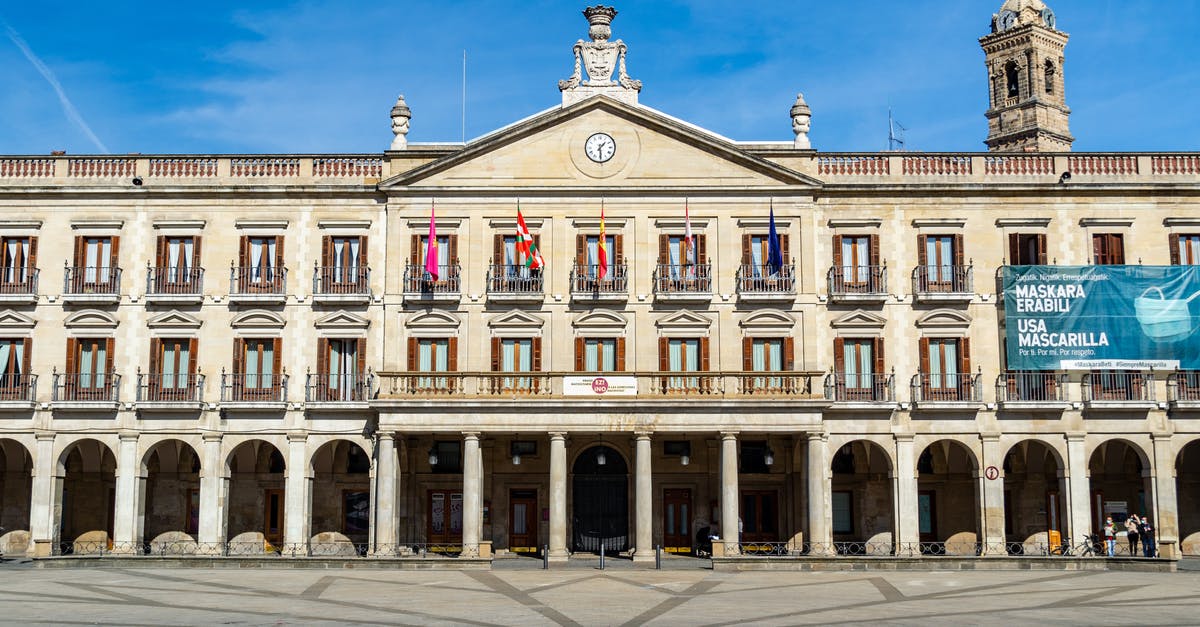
(415, 253)
(837, 251)
(664, 349)
(452, 255)
(664, 249)
(497, 249)
(108, 358)
(160, 252)
(747, 242)
(277, 354)
(580, 348)
(412, 354)
(789, 353)
(957, 244)
(156, 347)
(278, 252)
(196, 251)
(923, 349)
(536, 361)
(922, 257)
(839, 355)
(747, 354)
(496, 348)
(323, 355)
(80, 242)
(704, 354)
(72, 356)
(28, 358)
(243, 252)
(452, 356)
(31, 260)
(873, 246)
(193, 357)
(620, 355)
(239, 356)
(362, 254)
(326, 251)
(964, 350)
(580, 250)
(360, 355)
(1173, 244)
(1116, 248)
(1014, 249)
(784, 248)
(877, 347)
(1042, 249)
(1098, 257)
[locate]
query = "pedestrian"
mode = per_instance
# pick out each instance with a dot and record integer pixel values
(1131, 532)
(1110, 536)
(1146, 531)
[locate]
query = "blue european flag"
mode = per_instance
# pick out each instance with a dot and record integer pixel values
(774, 250)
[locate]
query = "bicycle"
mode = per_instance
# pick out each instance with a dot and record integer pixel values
(1087, 548)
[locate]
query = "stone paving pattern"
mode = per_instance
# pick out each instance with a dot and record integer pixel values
(588, 596)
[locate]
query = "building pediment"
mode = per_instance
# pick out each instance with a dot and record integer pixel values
(516, 320)
(600, 322)
(684, 322)
(174, 319)
(652, 150)
(768, 322)
(91, 319)
(16, 322)
(433, 322)
(944, 319)
(257, 319)
(859, 319)
(342, 320)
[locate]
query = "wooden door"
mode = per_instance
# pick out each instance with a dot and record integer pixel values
(677, 520)
(927, 515)
(273, 515)
(522, 521)
(445, 509)
(760, 516)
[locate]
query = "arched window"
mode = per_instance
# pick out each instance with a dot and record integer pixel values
(1050, 77)
(1014, 79)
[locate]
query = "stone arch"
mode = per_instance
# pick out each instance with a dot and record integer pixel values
(91, 320)
(87, 471)
(16, 490)
(948, 495)
(1119, 471)
(170, 495)
(1035, 494)
(600, 494)
(340, 516)
(257, 319)
(1187, 491)
(254, 508)
(861, 472)
(231, 443)
(1097, 442)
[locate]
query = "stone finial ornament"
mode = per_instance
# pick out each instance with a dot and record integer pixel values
(401, 115)
(599, 58)
(801, 122)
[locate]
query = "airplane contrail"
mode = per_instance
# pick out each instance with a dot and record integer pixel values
(68, 108)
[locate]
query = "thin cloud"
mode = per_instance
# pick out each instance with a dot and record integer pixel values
(68, 108)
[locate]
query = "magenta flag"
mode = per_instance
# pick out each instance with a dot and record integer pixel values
(431, 246)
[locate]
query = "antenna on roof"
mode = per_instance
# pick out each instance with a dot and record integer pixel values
(895, 140)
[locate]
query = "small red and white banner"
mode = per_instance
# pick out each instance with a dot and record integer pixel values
(600, 386)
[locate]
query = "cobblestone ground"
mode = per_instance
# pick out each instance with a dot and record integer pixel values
(587, 596)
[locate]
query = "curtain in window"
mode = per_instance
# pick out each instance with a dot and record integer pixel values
(1189, 249)
(608, 355)
(674, 243)
(16, 260)
(19, 362)
(86, 359)
(855, 257)
(939, 257)
(756, 255)
(252, 362)
(336, 350)
(173, 246)
(943, 364)
(189, 248)
(591, 356)
(256, 258)
(8, 374)
(96, 259)
(339, 266)
(269, 262)
(268, 362)
(169, 356)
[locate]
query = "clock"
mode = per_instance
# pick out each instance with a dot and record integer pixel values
(600, 147)
(1008, 19)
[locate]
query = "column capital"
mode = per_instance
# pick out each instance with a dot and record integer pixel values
(389, 434)
(729, 435)
(470, 435)
(903, 437)
(128, 436)
(642, 435)
(44, 436)
(1074, 436)
(558, 435)
(212, 437)
(297, 436)
(990, 437)
(817, 435)
(1161, 437)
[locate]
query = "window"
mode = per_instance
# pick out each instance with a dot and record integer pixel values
(756, 253)
(940, 260)
(594, 354)
(433, 355)
(1013, 76)
(587, 255)
(256, 367)
(677, 448)
(678, 259)
(89, 369)
(449, 456)
(858, 368)
(843, 512)
(767, 355)
(340, 366)
(516, 355)
(856, 261)
(345, 261)
(1108, 249)
(172, 366)
(177, 260)
(19, 260)
(1027, 249)
(95, 262)
(1185, 249)
(510, 261)
(447, 254)
(945, 366)
(1050, 73)
(684, 355)
(14, 366)
(261, 263)
(759, 516)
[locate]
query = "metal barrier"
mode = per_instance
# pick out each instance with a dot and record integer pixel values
(847, 280)
(875, 387)
(174, 280)
(1031, 387)
(943, 279)
(1118, 385)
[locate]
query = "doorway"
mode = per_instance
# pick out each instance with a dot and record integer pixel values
(927, 515)
(677, 520)
(273, 516)
(760, 516)
(445, 517)
(601, 501)
(522, 520)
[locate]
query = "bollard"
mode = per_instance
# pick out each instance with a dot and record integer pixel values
(546, 557)
(601, 553)
(658, 557)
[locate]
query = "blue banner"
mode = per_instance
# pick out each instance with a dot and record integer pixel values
(1102, 317)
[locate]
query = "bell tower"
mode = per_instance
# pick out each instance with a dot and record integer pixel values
(1024, 54)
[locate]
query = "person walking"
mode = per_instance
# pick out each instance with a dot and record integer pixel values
(1131, 532)
(1110, 536)
(1146, 532)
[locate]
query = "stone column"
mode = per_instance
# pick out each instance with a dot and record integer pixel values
(297, 496)
(729, 493)
(908, 522)
(214, 493)
(45, 507)
(384, 501)
(472, 495)
(1079, 498)
(128, 516)
(558, 497)
(1166, 507)
(820, 506)
(643, 501)
(991, 497)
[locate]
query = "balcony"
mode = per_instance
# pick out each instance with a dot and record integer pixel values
(861, 391)
(18, 392)
(1032, 391)
(258, 284)
(341, 284)
(173, 284)
(761, 282)
(170, 392)
(421, 286)
(95, 285)
(253, 391)
(586, 284)
(947, 391)
(86, 391)
(1118, 390)
(857, 284)
(514, 283)
(674, 282)
(338, 392)
(1183, 390)
(19, 286)
(943, 284)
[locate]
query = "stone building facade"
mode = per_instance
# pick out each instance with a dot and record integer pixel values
(211, 353)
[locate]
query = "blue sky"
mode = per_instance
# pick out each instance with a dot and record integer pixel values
(321, 76)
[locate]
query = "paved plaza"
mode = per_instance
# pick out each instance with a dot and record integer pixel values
(587, 596)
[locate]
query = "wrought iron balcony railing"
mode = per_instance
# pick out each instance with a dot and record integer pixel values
(758, 279)
(671, 278)
(94, 387)
(18, 387)
(170, 388)
(943, 279)
(866, 387)
(174, 281)
(92, 280)
(795, 385)
(240, 387)
(960, 387)
(1031, 387)
(19, 281)
(341, 280)
(514, 279)
(338, 388)
(585, 279)
(1118, 385)
(418, 281)
(258, 280)
(854, 280)
(1184, 386)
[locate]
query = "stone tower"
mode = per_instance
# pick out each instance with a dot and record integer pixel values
(1024, 54)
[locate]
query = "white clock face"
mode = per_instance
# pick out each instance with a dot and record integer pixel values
(600, 147)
